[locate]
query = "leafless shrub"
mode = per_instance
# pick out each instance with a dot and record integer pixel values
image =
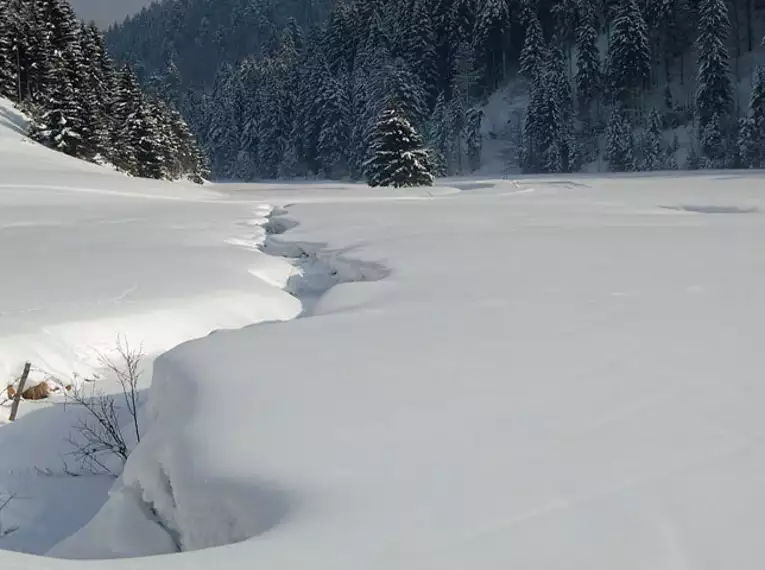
(98, 434)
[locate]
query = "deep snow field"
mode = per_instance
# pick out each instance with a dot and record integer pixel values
(544, 374)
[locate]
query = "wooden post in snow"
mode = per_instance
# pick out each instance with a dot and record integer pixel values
(17, 396)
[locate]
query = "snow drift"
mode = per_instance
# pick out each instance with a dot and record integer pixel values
(545, 374)
(560, 374)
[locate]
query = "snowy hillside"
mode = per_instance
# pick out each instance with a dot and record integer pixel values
(543, 374)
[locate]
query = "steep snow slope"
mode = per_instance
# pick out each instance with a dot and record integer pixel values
(546, 374)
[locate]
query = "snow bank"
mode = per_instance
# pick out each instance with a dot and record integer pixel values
(89, 255)
(556, 373)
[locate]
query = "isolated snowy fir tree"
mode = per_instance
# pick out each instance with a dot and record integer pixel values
(397, 156)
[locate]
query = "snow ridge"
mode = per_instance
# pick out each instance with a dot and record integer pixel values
(167, 509)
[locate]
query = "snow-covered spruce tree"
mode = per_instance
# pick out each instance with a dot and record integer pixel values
(533, 52)
(338, 37)
(182, 157)
(565, 15)
(8, 71)
(491, 27)
(94, 95)
(127, 101)
(419, 45)
(473, 138)
(58, 123)
(714, 91)
(629, 56)
(712, 142)
(619, 142)
(751, 138)
(588, 80)
(439, 138)
(397, 156)
(221, 127)
(534, 133)
(402, 89)
(548, 141)
(335, 126)
(34, 51)
(653, 148)
(465, 79)
(559, 88)
(362, 111)
(693, 160)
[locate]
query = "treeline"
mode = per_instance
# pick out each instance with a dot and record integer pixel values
(306, 100)
(57, 69)
(602, 109)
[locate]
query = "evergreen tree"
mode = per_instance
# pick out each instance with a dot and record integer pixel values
(8, 72)
(419, 44)
(58, 125)
(532, 55)
(147, 138)
(619, 142)
(335, 129)
(399, 88)
(94, 95)
(127, 102)
(440, 139)
(714, 92)
(58, 70)
(588, 82)
(473, 138)
(653, 152)
(751, 140)
(491, 27)
(397, 155)
(549, 144)
(339, 38)
(534, 133)
(693, 160)
(629, 56)
(713, 143)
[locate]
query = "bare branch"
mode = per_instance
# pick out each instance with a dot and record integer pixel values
(100, 430)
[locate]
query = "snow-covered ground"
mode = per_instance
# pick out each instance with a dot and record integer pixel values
(539, 374)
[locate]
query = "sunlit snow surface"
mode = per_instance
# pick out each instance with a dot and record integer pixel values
(539, 374)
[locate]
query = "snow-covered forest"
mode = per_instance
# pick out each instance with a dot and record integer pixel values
(300, 86)
(58, 70)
